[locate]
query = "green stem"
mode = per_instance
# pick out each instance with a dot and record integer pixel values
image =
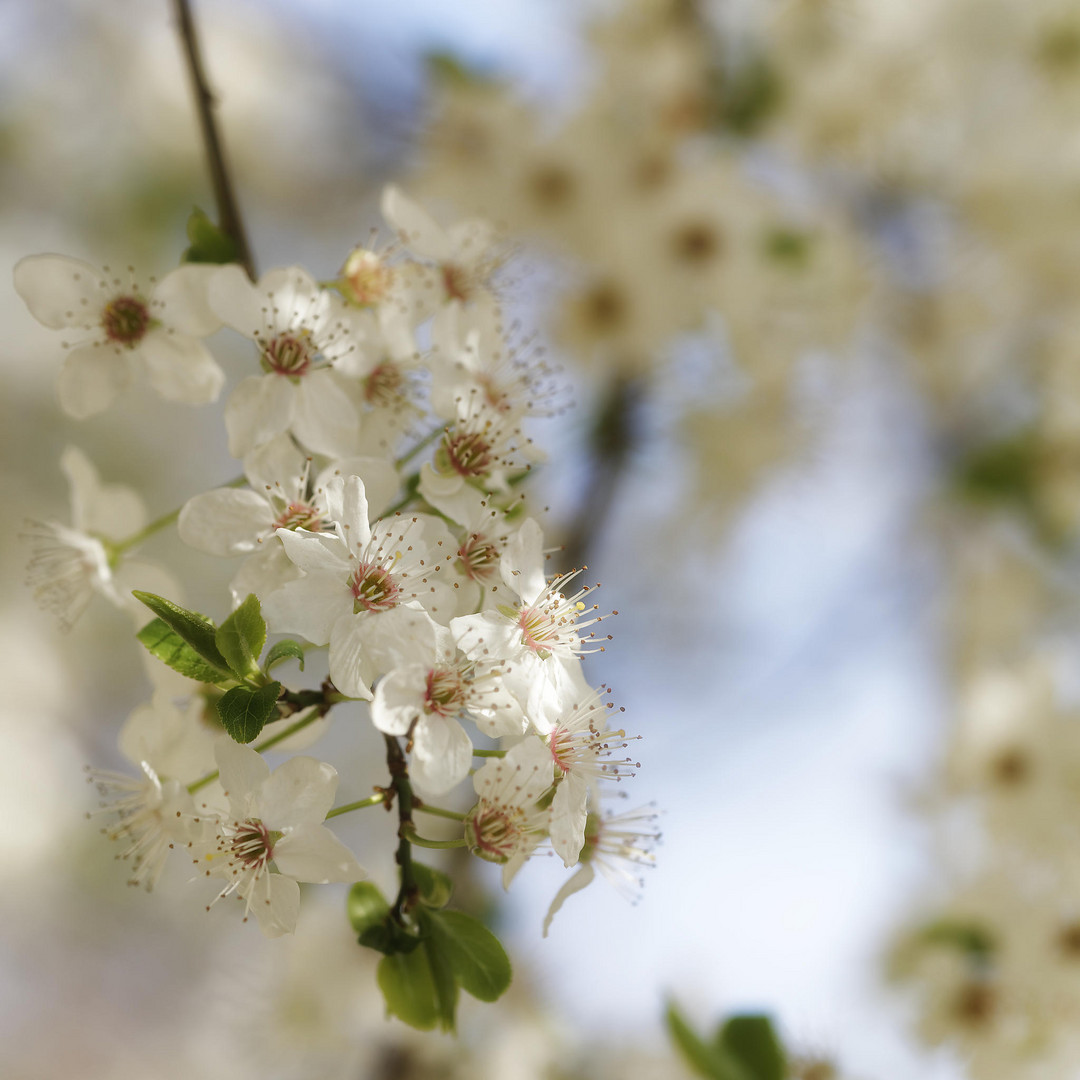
(371, 800)
(410, 834)
(426, 441)
(280, 736)
(437, 811)
(118, 547)
(489, 753)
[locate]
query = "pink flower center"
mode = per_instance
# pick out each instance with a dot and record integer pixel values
(493, 833)
(456, 282)
(298, 515)
(125, 320)
(252, 845)
(468, 453)
(374, 589)
(478, 558)
(383, 385)
(287, 355)
(445, 693)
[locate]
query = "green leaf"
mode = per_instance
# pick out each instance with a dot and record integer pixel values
(408, 986)
(473, 951)
(198, 632)
(445, 983)
(967, 937)
(366, 906)
(241, 637)
(282, 651)
(713, 1062)
(209, 243)
(169, 647)
(753, 1042)
(435, 886)
(244, 712)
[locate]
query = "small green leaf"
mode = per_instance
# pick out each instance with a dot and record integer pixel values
(209, 243)
(366, 906)
(241, 637)
(473, 951)
(169, 647)
(408, 986)
(198, 632)
(435, 886)
(445, 983)
(282, 651)
(967, 937)
(753, 1042)
(712, 1062)
(244, 712)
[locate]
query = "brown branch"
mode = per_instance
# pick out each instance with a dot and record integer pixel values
(228, 210)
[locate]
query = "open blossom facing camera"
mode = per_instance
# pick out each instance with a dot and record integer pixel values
(272, 835)
(127, 327)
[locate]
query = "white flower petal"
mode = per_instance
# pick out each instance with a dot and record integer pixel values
(309, 607)
(313, 853)
(278, 906)
(181, 368)
(112, 510)
(277, 462)
(299, 792)
(324, 553)
(183, 299)
(381, 480)
(442, 754)
(60, 291)
(346, 503)
(225, 522)
(243, 772)
(568, 814)
(582, 879)
(236, 302)
(90, 379)
(324, 419)
(259, 408)
(351, 669)
(522, 561)
(399, 699)
(417, 229)
(263, 573)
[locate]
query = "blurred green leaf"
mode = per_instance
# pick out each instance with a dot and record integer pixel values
(209, 243)
(408, 986)
(478, 959)
(752, 1041)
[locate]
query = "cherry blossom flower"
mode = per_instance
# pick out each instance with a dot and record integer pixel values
(301, 332)
(272, 836)
(128, 328)
(367, 591)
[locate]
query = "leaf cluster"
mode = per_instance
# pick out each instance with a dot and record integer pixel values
(226, 656)
(744, 1047)
(426, 964)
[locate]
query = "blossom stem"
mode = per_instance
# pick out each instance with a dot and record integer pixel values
(266, 744)
(426, 441)
(118, 547)
(228, 209)
(614, 436)
(399, 781)
(371, 800)
(488, 753)
(437, 811)
(421, 841)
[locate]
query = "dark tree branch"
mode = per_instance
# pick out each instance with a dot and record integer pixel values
(228, 210)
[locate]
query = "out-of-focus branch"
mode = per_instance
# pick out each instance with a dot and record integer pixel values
(613, 438)
(230, 221)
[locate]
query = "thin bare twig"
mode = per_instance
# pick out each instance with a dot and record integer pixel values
(228, 210)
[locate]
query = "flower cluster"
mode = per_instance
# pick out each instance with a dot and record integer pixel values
(382, 515)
